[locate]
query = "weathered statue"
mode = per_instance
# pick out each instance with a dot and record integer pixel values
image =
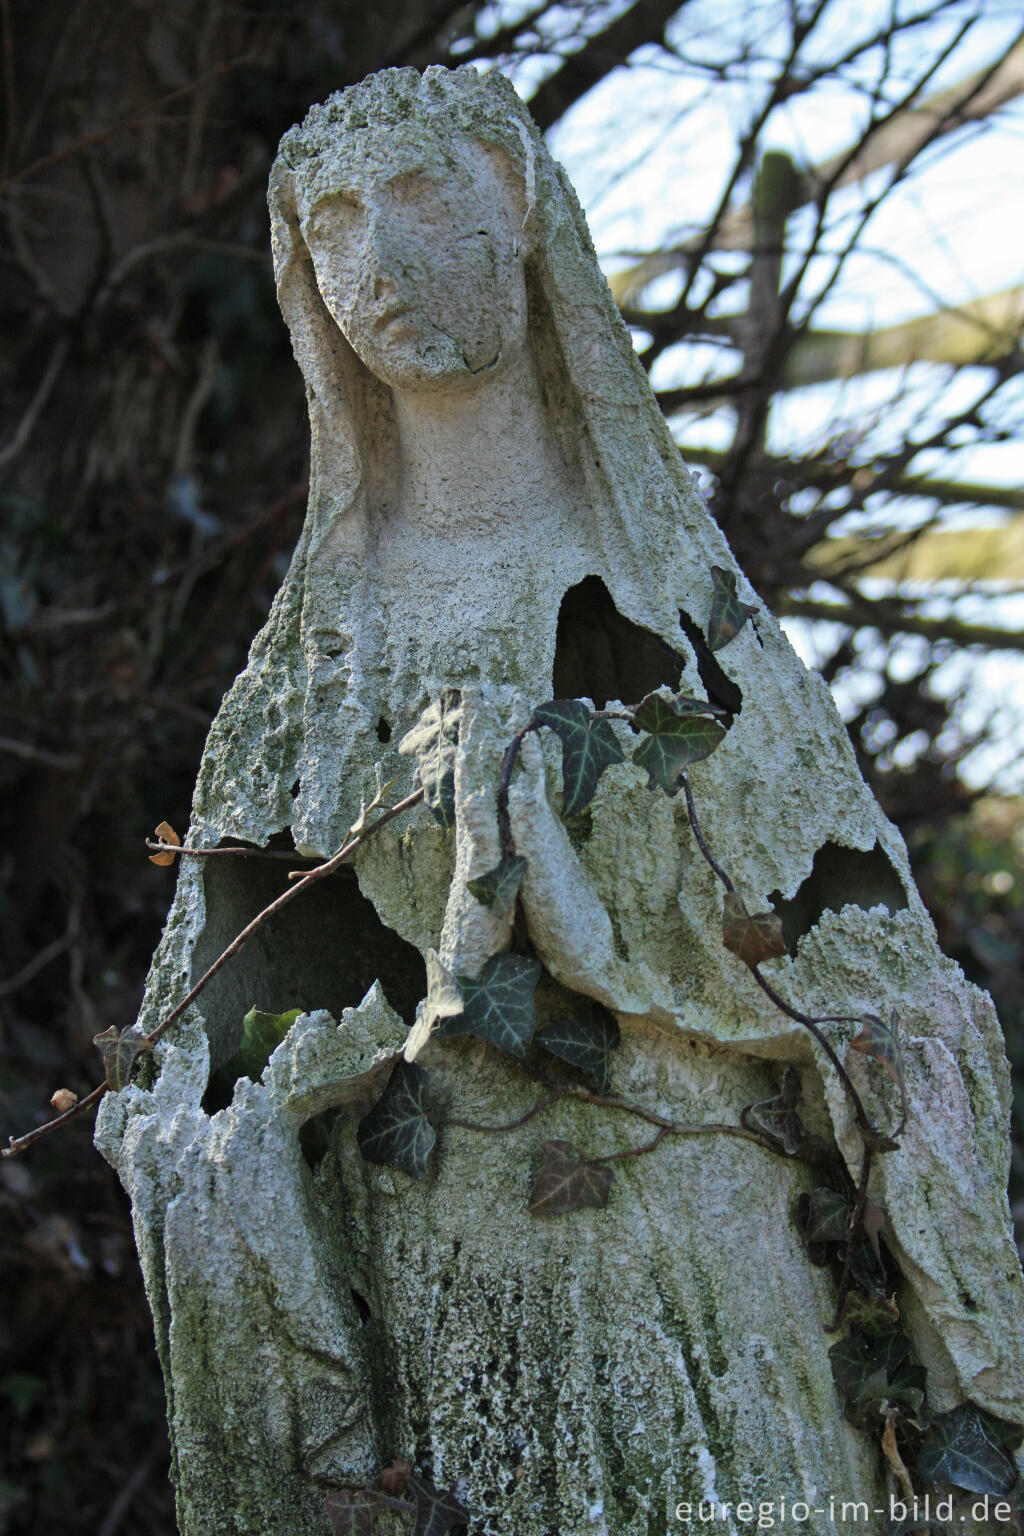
(496, 506)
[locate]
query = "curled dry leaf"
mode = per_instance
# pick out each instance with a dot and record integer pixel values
(63, 1100)
(165, 833)
(394, 1478)
(752, 936)
(119, 1051)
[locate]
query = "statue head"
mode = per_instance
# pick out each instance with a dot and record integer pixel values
(422, 235)
(426, 243)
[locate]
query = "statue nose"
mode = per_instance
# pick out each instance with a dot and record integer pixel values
(387, 266)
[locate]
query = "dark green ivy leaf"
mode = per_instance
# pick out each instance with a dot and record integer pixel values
(752, 936)
(828, 1216)
(499, 887)
(871, 1315)
(119, 1050)
(397, 1131)
(967, 1449)
(433, 741)
(964, 1450)
(436, 1509)
(589, 746)
(677, 737)
(352, 1513)
(568, 1181)
(497, 1004)
(871, 1373)
(585, 1041)
(777, 1117)
(728, 614)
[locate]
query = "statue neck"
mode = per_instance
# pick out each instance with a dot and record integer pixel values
(474, 455)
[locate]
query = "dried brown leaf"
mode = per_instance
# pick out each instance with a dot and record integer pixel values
(753, 937)
(165, 833)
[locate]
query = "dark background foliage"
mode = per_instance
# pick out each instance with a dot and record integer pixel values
(153, 463)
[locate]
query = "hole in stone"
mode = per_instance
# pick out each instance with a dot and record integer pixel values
(361, 1305)
(601, 655)
(839, 877)
(296, 789)
(383, 731)
(720, 689)
(314, 1136)
(323, 950)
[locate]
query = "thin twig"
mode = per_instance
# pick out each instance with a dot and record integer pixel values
(709, 859)
(34, 754)
(510, 1125)
(42, 959)
(89, 140)
(853, 1231)
(12, 105)
(37, 404)
(286, 896)
(811, 1024)
(508, 762)
(245, 853)
(18, 1144)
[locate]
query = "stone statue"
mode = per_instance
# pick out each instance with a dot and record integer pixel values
(496, 505)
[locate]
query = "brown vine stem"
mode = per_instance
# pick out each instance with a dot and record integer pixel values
(698, 832)
(510, 1125)
(852, 1231)
(867, 1130)
(508, 762)
(18, 1144)
(245, 853)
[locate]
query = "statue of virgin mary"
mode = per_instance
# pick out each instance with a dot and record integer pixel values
(496, 506)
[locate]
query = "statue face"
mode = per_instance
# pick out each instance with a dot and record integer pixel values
(419, 266)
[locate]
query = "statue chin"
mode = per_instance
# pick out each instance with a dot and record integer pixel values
(419, 358)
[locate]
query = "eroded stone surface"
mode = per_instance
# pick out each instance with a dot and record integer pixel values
(483, 441)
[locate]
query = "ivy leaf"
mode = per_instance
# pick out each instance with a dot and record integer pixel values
(589, 746)
(677, 736)
(499, 887)
(262, 1033)
(966, 1449)
(871, 1315)
(498, 1004)
(753, 937)
(568, 1181)
(777, 1117)
(871, 1374)
(397, 1131)
(436, 1509)
(119, 1050)
(352, 1513)
(828, 1216)
(882, 1041)
(433, 742)
(585, 1041)
(728, 614)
